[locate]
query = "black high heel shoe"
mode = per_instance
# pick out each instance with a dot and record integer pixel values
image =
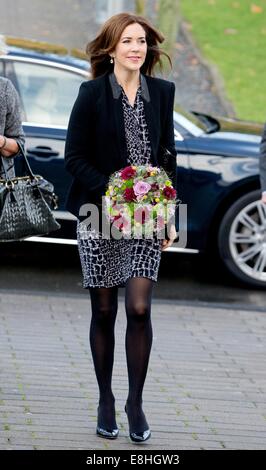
(139, 437)
(107, 433)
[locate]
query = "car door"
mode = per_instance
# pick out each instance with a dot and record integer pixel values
(47, 95)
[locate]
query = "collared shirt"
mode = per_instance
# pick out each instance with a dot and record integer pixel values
(136, 130)
(117, 89)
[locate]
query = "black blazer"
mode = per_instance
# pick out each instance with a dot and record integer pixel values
(96, 143)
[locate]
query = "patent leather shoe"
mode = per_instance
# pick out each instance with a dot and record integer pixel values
(107, 433)
(139, 437)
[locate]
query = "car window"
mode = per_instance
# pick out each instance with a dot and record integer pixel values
(47, 93)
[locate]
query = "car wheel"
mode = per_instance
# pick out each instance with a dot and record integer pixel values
(242, 239)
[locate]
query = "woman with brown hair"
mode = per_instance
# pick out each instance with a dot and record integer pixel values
(121, 117)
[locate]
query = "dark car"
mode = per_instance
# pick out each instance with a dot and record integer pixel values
(218, 174)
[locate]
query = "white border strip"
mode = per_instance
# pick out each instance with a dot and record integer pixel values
(57, 241)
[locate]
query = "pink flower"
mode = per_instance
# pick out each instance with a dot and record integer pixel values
(120, 222)
(142, 215)
(160, 222)
(141, 188)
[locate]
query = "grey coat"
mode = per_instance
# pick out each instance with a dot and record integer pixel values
(10, 122)
(263, 160)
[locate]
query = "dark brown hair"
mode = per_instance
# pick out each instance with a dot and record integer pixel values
(105, 42)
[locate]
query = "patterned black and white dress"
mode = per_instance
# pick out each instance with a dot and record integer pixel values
(109, 262)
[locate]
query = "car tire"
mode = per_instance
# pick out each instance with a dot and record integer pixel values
(242, 239)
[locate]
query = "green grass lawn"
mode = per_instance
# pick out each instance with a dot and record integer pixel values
(232, 35)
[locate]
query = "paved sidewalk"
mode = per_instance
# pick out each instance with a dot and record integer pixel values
(206, 385)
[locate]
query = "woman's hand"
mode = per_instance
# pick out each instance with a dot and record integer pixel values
(172, 236)
(263, 197)
(2, 142)
(8, 146)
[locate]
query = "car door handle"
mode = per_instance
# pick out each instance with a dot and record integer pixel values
(42, 151)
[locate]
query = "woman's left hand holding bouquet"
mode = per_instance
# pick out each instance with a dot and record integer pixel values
(172, 236)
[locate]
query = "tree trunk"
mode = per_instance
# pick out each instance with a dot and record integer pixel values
(140, 7)
(168, 23)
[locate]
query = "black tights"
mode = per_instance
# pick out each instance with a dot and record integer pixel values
(138, 294)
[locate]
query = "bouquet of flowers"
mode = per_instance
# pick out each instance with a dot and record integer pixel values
(140, 200)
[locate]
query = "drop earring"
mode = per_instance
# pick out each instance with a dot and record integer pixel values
(111, 60)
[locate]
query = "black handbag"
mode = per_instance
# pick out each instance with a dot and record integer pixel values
(26, 204)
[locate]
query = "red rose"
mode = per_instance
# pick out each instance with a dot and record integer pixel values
(127, 173)
(169, 193)
(129, 194)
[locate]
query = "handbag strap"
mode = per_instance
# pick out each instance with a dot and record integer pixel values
(7, 167)
(7, 170)
(28, 167)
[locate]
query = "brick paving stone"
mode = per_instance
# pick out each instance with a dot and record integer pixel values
(205, 387)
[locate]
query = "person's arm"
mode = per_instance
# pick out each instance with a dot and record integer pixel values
(262, 165)
(79, 142)
(13, 128)
(8, 147)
